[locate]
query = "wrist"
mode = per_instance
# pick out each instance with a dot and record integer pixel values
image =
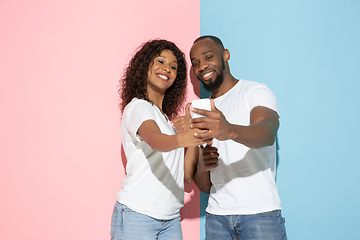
(179, 140)
(202, 167)
(232, 132)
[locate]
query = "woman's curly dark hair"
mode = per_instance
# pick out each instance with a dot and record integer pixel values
(134, 80)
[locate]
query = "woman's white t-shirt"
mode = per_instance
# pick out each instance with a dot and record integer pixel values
(154, 182)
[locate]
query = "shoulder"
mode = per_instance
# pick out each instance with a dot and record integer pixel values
(139, 108)
(247, 84)
(252, 87)
(136, 104)
(135, 113)
(258, 94)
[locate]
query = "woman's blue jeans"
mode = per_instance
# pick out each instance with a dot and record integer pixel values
(127, 224)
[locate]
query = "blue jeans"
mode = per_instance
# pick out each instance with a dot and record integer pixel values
(127, 224)
(262, 226)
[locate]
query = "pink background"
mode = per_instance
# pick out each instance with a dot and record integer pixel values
(60, 146)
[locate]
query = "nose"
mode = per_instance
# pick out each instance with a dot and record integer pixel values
(166, 67)
(203, 66)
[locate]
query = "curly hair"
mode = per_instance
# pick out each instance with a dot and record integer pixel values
(134, 80)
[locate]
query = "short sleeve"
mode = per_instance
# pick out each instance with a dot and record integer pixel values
(260, 95)
(135, 113)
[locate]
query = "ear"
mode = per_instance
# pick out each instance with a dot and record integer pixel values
(226, 55)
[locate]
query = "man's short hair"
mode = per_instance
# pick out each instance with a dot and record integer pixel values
(213, 38)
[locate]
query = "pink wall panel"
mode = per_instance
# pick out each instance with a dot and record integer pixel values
(60, 62)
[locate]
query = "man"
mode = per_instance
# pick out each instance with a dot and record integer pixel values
(243, 201)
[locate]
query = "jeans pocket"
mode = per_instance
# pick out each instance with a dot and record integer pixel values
(207, 215)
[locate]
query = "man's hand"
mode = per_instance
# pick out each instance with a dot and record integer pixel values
(183, 123)
(215, 122)
(209, 158)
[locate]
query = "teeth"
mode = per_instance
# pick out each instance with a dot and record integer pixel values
(208, 74)
(163, 77)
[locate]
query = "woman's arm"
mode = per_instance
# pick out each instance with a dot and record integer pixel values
(190, 163)
(150, 132)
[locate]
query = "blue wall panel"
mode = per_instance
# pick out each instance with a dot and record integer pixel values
(308, 53)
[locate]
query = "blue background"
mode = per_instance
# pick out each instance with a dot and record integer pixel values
(308, 53)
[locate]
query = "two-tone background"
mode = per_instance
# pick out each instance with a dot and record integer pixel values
(60, 145)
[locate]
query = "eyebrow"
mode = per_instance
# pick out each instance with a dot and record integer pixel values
(166, 58)
(202, 54)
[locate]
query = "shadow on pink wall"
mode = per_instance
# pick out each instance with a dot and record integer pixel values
(194, 82)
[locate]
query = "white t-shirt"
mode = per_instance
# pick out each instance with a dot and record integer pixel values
(154, 184)
(244, 180)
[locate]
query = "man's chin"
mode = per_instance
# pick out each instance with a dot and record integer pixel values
(207, 82)
(209, 87)
(212, 85)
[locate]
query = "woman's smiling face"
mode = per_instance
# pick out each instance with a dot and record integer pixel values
(162, 72)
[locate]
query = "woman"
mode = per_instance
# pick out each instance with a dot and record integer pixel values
(152, 91)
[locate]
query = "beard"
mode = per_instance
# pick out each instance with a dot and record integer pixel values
(214, 84)
(217, 81)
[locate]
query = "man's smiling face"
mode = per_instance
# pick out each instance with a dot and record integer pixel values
(208, 63)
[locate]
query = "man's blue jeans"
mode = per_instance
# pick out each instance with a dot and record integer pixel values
(127, 224)
(262, 226)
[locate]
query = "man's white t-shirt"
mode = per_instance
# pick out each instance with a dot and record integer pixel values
(244, 180)
(154, 184)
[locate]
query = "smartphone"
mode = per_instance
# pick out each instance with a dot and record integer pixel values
(201, 104)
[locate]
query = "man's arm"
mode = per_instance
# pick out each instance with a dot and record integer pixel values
(261, 132)
(209, 157)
